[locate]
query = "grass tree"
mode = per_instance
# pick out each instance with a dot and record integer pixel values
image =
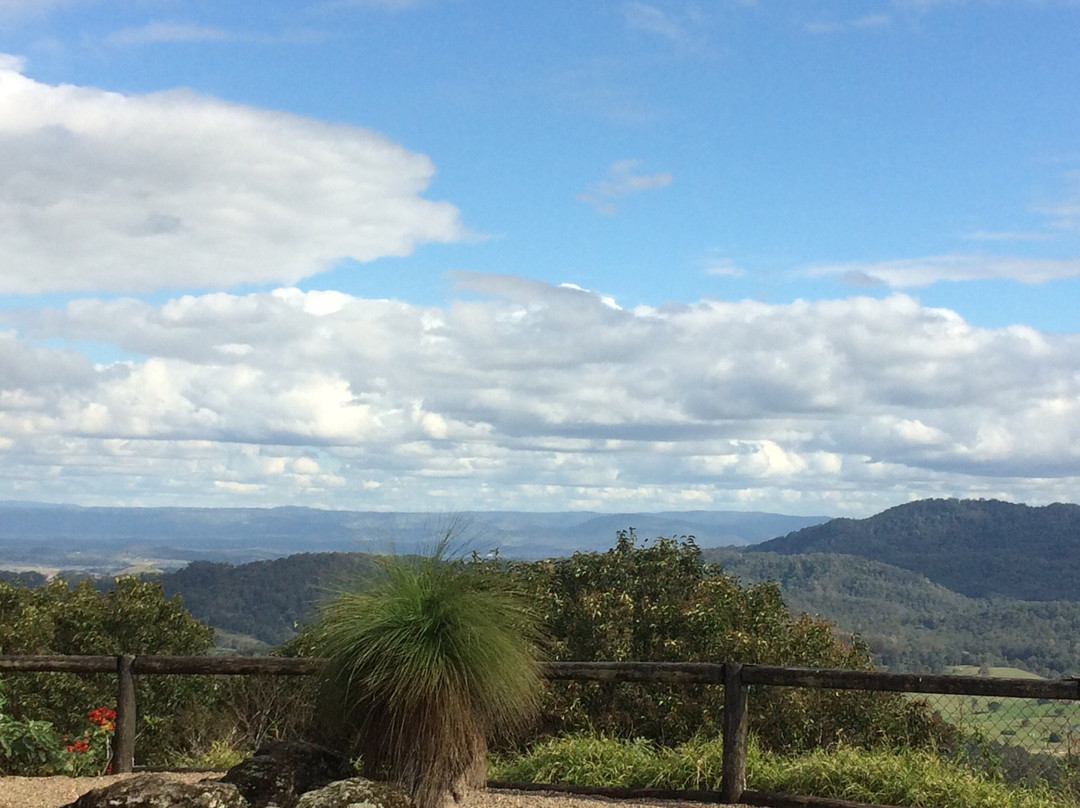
(426, 665)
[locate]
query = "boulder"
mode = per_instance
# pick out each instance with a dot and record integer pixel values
(278, 773)
(356, 792)
(158, 791)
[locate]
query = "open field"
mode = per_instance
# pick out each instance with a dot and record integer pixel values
(1037, 725)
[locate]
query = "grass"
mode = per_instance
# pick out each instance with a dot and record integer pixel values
(884, 777)
(1035, 725)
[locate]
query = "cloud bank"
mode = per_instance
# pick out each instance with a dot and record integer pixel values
(103, 191)
(535, 397)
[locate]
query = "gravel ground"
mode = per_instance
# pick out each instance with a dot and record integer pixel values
(52, 792)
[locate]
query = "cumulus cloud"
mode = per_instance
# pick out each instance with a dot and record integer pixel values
(622, 179)
(536, 396)
(104, 191)
(911, 272)
(9, 61)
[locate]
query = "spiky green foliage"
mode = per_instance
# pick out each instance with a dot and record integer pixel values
(427, 664)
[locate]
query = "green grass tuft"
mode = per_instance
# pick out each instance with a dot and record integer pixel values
(426, 665)
(883, 777)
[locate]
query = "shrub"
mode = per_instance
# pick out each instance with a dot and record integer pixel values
(28, 748)
(134, 617)
(425, 665)
(660, 601)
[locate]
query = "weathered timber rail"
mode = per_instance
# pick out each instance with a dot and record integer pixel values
(734, 677)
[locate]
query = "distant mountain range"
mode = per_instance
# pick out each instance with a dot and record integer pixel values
(34, 535)
(979, 548)
(928, 584)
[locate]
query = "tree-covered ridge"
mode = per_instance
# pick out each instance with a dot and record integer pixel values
(267, 600)
(979, 548)
(910, 622)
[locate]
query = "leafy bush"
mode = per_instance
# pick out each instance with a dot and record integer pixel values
(175, 712)
(425, 666)
(28, 748)
(660, 601)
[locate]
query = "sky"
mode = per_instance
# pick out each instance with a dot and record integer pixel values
(805, 257)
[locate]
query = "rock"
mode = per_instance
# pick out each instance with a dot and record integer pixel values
(158, 791)
(280, 772)
(356, 792)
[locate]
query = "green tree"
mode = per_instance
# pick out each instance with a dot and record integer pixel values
(659, 601)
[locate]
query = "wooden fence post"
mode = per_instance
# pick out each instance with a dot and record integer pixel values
(123, 758)
(733, 773)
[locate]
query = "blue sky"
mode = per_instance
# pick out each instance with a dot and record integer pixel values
(454, 255)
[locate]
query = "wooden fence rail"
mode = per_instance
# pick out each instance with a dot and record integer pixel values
(734, 677)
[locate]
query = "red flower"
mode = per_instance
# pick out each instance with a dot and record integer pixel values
(104, 717)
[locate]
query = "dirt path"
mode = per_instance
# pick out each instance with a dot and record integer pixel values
(52, 792)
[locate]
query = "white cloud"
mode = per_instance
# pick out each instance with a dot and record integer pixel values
(1065, 213)
(155, 32)
(107, 191)
(723, 267)
(1006, 235)
(909, 272)
(537, 397)
(384, 5)
(622, 179)
(161, 32)
(854, 23)
(680, 31)
(16, 8)
(644, 17)
(9, 61)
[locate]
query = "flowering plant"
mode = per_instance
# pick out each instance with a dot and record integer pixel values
(91, 753)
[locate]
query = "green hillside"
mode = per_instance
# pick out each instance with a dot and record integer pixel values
(912, 623)
(264, 599)
(979, 548)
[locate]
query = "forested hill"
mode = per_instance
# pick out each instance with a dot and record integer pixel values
(911, 623)
(264, 599)
(979, 548)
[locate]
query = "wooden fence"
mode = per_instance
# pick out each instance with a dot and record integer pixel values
(735, 678)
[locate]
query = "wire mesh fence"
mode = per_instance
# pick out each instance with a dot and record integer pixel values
(1024, 741)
